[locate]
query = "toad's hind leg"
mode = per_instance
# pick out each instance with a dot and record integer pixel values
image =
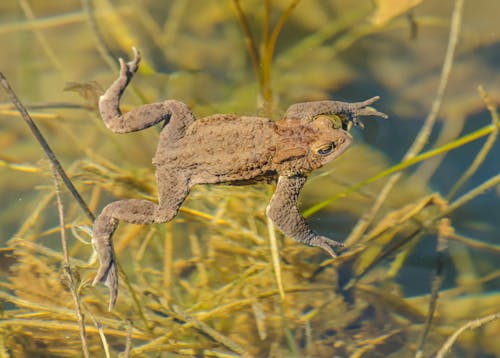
(172, 192)
(176, 113)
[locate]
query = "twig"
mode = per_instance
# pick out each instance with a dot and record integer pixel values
(67, 267)
(103, 50)
(487, 146)
(267, 60)
(469, 325)
(475, 244)
(437, 281)
(275, 255)
(472, 194)
(104, 340)
(249, 41)
(45, 146)
(168, 262)
(279, 26)
(426, 129)
(128, 342)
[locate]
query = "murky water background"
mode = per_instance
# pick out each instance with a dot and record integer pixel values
(213, 261)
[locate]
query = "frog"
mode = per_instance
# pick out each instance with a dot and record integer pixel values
(224, 149)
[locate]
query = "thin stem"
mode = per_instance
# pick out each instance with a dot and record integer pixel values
(267, 60)
(475, 244)
(488, 184)
(275, 257)
(67, 267)
(487, 146)
(437, 281)
(249, 41)
(103, 50)
(279, 26)
(469, 325)
(45, 146)
(128, 342)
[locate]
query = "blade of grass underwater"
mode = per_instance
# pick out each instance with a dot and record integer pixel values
(275, 258)
(484, 131)
(487, 146)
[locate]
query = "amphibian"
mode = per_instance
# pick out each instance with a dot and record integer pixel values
(224, 148)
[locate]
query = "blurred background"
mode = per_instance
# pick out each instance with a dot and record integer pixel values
(259, 57)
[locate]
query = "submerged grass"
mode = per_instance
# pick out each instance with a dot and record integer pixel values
(218, 280)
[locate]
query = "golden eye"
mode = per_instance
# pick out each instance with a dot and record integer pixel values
(326, 149)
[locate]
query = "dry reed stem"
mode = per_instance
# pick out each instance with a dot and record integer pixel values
(469, 325)
(128, 341)
(89, 13)
(437, 280)
(473, 193)
(262, 61)
(104, 340)
(485, 149)
(275, 256)
(474, 243)
(249, 41)
(168, 261)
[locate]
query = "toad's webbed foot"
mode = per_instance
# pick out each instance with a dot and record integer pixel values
(326, 244)
(348, 112)
(108, 274)
(104, 227)
(127, 69)
(283, 211)
(353, 111)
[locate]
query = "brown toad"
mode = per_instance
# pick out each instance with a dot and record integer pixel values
(224, 149)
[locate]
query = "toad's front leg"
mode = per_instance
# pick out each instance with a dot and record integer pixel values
(175, 113)
(283, 211)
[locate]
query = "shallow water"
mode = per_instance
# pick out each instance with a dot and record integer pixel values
(195, 52)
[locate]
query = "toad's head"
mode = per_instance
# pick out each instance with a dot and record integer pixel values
(304, 146)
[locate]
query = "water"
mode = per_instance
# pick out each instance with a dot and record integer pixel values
(213, 261)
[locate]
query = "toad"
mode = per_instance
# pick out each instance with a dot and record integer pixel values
(228, 149)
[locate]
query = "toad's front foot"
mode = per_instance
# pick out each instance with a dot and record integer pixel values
(326, 244)
(358, 109)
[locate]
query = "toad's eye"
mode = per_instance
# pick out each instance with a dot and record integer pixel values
(326, 149)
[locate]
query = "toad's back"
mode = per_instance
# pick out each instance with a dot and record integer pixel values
(222, 148)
